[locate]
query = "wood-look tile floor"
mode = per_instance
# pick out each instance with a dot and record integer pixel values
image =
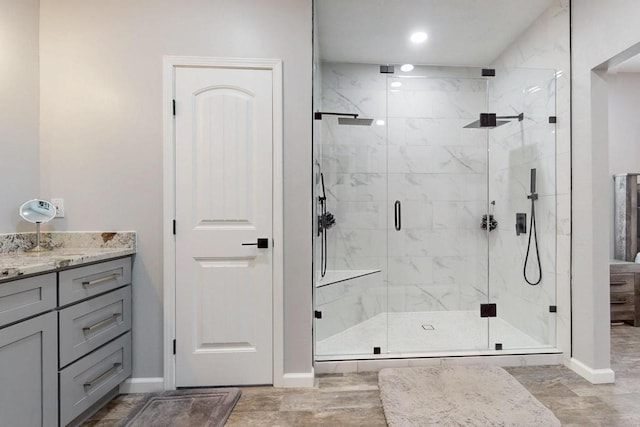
(354, 399)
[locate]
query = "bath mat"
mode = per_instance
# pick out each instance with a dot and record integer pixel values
(194, 407)
(459, 396)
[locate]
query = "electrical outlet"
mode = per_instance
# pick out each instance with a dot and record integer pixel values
(59, 205)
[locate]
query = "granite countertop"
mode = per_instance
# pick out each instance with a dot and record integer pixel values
(66, 250)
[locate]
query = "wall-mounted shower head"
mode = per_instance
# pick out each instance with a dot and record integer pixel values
(345, 118)
(354, 121)
(491, 120)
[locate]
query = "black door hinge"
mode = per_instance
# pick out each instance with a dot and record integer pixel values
(318, 314)
(488, 72)
(498, 346)
(174, 226)
(174, 107)
(553, 309)
(488, 310)
(174, 346)
(376, 350)
(553, 119)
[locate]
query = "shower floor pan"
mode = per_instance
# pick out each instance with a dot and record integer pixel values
(439, 333)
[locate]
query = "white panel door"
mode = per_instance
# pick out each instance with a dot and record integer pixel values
(224, 198)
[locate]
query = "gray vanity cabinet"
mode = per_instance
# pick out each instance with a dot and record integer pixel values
(28, 352)
(94, 335)
(65, 343)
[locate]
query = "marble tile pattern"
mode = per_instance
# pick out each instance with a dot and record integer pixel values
(66, 249)
(424, 158)
(420, 156)
(348, 303)
(353, 398)
(515, 149)
(546, 45)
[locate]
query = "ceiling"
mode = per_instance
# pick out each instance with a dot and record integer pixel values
(461, 32)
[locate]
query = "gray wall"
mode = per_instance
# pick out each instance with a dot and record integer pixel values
(600, 30)
(19, 108)
(101, 132)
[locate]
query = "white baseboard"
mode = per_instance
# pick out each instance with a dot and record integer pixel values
(305, 379)
(142, 385)
(594, 376)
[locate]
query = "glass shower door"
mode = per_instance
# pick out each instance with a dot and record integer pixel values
(350, 294)
(437, 195)
(522, 173)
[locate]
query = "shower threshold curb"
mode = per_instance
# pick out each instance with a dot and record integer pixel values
(550, 357)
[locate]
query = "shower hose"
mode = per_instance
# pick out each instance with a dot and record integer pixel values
(532, 231)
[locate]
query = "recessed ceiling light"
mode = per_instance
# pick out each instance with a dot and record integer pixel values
(396, 84)
(419, 37)
(406, 68)
(380, 122)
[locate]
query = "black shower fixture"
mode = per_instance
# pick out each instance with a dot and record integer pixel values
(491, 120)
(533, 196)
(345, 118)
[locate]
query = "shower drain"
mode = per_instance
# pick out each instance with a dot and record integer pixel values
(428, 327)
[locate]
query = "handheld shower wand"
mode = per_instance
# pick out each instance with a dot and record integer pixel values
(326, 220)
(532, 231)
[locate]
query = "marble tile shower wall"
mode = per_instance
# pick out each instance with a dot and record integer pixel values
(515, 149)
(434, 167)
(546, 45)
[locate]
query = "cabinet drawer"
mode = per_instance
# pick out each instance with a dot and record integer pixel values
(622, 282)
(83, 282)
(23, 298)
(87, 325)
(621, 299)
(87, 380)
(622, 314)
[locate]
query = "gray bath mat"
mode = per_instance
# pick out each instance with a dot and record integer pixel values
(459, 396)
(194, 408)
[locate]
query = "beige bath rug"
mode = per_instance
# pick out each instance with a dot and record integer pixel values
(194, 408)
(459, 396)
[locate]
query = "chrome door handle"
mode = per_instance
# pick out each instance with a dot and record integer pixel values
(262, 243)
(398, 215)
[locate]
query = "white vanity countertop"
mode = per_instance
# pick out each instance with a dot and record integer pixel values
(67, 250)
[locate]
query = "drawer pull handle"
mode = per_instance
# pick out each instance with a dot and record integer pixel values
(113, 276)
(624, 301)
(112, 318)
(98, 379)
(618, 283)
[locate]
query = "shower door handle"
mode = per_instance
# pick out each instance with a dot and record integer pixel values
(398, 215)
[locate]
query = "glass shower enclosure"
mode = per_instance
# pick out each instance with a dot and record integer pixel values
(424, 211)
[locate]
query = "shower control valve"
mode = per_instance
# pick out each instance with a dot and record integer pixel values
(521, 223)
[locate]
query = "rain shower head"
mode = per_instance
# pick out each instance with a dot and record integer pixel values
(490, 120)
(354, 121)
(345, 118)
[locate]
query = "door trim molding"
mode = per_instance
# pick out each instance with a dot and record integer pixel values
(169, 197)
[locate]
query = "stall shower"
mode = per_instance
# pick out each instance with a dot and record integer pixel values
(424, 251)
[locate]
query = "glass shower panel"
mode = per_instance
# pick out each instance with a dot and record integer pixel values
(525, 308)
(437, 195)
(350, 295)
